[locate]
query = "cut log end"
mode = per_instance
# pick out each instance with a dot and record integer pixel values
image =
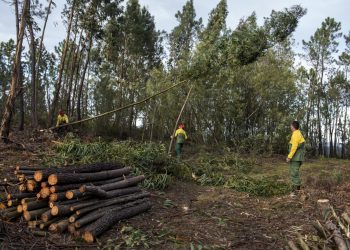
(45, 192)
(82, 189)
(52, 180)
(25, 207)
(20, 208)
(53, 227)
(54, 210)
(26, 215)
(53, 197)
(72, 219)
(38, 176)
(88, 237)
(69, 195)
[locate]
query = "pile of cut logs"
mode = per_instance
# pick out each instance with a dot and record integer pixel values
(85, 200)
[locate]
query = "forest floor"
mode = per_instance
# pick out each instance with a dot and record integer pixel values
(191, 216)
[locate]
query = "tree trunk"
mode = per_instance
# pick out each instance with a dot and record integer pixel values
(77, 75)
(87, 61)
(62, 64)
(102, 211)
(33, 205)
(40, 50)
(73, 69)
(20, 76)
(66, 178)
(121, 184)
(85, 168)
(101, 225)
(34, 214)
(113, 201)
(8, 111)
(32, 46)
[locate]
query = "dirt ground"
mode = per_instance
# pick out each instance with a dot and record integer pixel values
(189, 216)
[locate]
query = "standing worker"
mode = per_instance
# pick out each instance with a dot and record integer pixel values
(296, 156)
(181, 137)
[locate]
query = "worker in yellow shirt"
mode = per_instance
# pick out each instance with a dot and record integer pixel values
(181, 137)
(62, 119)
(296, 155)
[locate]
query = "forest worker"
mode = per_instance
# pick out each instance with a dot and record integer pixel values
(296, 155)
(62, 118)
(181, 137)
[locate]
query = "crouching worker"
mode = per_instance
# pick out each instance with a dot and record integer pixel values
(181, 137)
(62, 119)
(296, 155)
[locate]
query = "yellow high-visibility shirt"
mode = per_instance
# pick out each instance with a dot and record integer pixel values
(180, 135)
(295, 141)
(61, 119)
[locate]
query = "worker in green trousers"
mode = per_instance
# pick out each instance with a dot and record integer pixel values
(296, 156)
(181, 137)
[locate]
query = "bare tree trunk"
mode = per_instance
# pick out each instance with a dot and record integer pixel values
(77, 75)
(85, 108)
(73, 69)
(8, 111)
(21, 98)
(20, 75)
(37, 77)
(62, 64)
(33, 75)
(87, 61)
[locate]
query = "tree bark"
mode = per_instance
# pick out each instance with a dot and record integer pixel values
(104, 223)
(20, 196)
(62, 64)
(85, 168)
(113, 201)
(34, 214)
(121, 184)
(102, 211)
(33, 205)
(71, 78)
(20, 75)
(56, 189)
(32, 46)
(37, 70)
(9, 106)
(81, 86)
(65, 178)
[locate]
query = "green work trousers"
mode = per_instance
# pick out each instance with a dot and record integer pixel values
(294, 171)
(178, 149)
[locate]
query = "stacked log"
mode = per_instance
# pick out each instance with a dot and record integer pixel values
(84, 200)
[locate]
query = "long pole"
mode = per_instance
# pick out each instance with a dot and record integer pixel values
(178, 119)
(122, 108)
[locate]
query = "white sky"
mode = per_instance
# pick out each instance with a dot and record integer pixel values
(164, 11)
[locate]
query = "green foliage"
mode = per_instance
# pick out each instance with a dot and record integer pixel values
(267, 186)
(282, 23)
(169, 203)
(130, 238)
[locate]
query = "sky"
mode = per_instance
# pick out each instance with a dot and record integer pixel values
(164, 11)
